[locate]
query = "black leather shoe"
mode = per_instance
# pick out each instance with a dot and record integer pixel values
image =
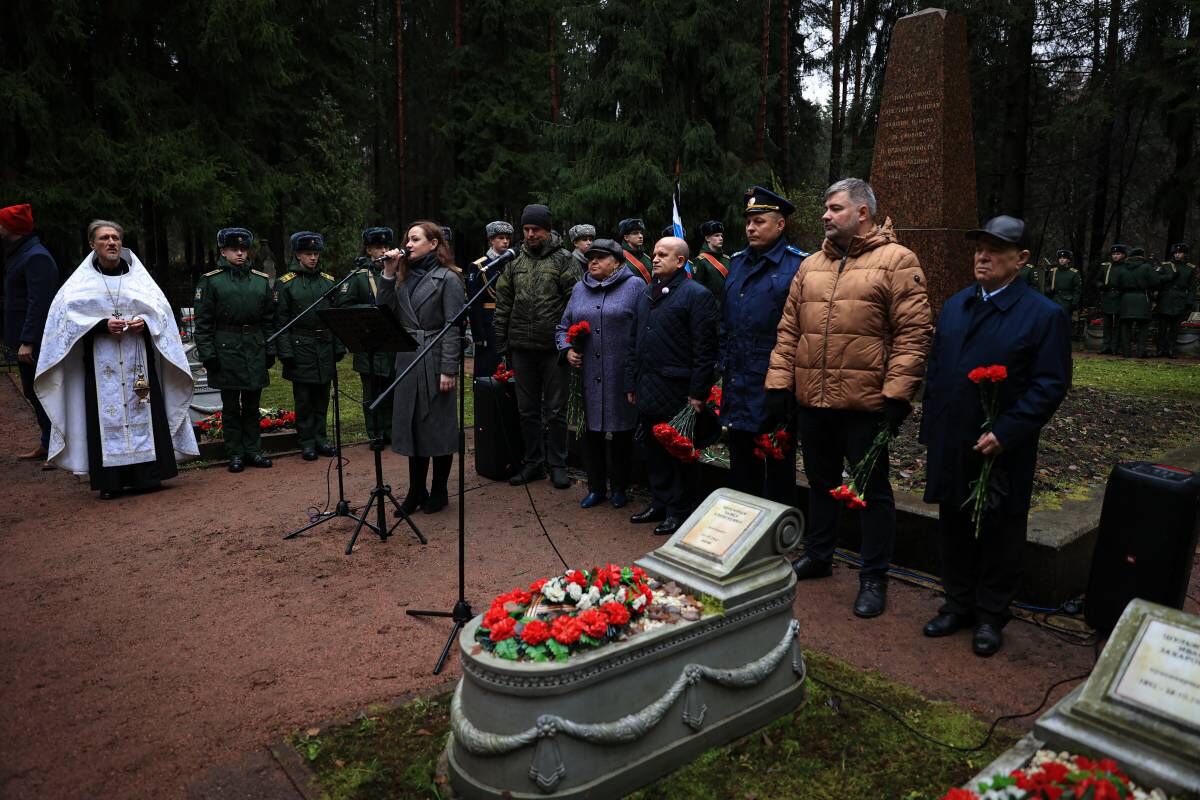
(618, 498)
(436, 502)
(413, 501)
(528, 474)
(558, 477)
(667, 526)
(807, 568)
(651, 514)
(107, 495)
(235, 464)
(871, 600)
(260, 461)
(327, 450)
(945, 624)
(309, 454)
(591, 499)
(987, 640)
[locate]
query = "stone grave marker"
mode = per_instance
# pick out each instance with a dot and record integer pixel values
(923, 168)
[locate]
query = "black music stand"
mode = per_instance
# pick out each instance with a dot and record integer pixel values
(372, 329)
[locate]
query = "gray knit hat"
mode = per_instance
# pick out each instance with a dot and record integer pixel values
(578, 232)
(499, 228)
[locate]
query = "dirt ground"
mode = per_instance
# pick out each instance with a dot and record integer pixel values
(154, 644)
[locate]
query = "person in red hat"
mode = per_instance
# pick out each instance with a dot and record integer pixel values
(30, 281)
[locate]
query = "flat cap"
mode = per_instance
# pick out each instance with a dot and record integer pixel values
(606, 247)
(1002, 228)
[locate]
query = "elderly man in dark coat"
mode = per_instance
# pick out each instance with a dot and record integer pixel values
(30, 282)
(671, 361)
(998, 321)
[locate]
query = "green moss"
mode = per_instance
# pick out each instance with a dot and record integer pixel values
(711, 606)
(832, 747)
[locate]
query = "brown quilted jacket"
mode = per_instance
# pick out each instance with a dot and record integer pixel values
(856, 326)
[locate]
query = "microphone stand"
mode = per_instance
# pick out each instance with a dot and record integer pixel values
(342, 508)
(462, 613)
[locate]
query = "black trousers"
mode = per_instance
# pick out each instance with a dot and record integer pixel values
(240, 422)
(981, 576)
(828, 439)
(774, 480)
(1109, 327)
(1133, 331)
(1166, 334)
(603, 465)
(672, 482)
(27, 374)
(312, 408)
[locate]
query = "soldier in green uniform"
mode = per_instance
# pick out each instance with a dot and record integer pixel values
(235, 314)
(378, 370)
(1033, 275)
(309, 351)
(1110, 296)
(1063, 284)
(711, 266)
(1135, 283)
(633, 233)
(1176, 298)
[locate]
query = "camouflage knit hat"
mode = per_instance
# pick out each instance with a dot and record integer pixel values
(583, 231)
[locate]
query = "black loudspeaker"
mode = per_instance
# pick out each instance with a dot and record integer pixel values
(1146, 542)
(499, 448)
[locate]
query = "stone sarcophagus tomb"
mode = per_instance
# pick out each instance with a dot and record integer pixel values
(608, 720)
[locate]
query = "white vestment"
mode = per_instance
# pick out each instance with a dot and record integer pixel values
(126, 432)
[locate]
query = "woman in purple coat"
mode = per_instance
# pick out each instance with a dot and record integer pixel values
(606, 298)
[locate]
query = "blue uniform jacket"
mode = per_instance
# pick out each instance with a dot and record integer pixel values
(1031, 336)
(755, 291)
(30, 283)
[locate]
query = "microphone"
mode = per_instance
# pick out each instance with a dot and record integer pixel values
(500, 260)
(403, 253)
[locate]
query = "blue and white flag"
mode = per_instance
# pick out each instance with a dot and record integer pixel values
(677, 223)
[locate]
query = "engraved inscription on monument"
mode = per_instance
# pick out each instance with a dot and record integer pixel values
(904, 128)
(1162, 675)
(720, 528)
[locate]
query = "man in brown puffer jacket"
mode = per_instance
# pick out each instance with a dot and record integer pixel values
(850, 352)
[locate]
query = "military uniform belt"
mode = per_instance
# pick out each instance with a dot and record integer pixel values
(315, 333)
(229, 327)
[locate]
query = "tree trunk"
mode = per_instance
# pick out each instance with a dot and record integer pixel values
(760, 137)
(835, 120)
(399, 17)
(1181, 129)
(1108, 82)
(785, 92)
(552, 44)
(1018, 75)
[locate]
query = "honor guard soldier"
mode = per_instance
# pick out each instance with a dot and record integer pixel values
(1033, 275)
(1110, 295)
(483, 311)
(711, 266)
(755, 292)
(235, 315)
(309, 351)
(1063, 284)
(1176, 298)
(376, 370)
(633, 234)
(1135, 283)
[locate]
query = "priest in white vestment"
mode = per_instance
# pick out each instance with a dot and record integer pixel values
(112, 374)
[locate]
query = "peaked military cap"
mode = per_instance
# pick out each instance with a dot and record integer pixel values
(379, 235)
(1002, 228)
(760, 200)
(1064, 254)
(627, 226)
(581, 231)
(235, 237)
(302, 241)
(606, 247)
(1123, 249)
(711, 227)
(499, 228)
(1181, 247)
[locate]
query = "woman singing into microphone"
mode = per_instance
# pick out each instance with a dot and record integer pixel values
(424, 290)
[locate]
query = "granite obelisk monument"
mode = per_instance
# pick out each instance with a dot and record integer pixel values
(923, 169)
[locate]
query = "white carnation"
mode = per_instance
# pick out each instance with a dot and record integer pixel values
(638, 602)
(575, 590)
(608, 598)
(554, 591)
(585, 602)
(621, 595)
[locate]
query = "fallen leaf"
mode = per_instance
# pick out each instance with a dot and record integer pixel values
(312, 731)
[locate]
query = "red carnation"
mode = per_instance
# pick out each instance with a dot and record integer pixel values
(535, 632)
(577, 577)
(504, 629)
(537, 585)
(617, 613)
(494, 615)
(977, 375)
(960, 794)
(594, 622)
(997, 373)
(566, 630)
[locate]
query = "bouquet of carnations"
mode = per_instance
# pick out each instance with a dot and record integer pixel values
(987, 378)
(554, 617)
(274, 419)
(774, 445)
(851, 493)
(715, 394)
(676, 436)
(1060, 776)
(212, 426)
(503, 374)
(577, 334)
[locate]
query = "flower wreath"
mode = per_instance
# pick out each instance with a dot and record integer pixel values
(554, 617)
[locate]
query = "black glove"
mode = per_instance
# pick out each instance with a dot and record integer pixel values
(270, 361)
(212, 365)
(896, 411)
(780, 404)
(288, 363)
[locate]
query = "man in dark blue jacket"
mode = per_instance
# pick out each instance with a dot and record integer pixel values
(30, 281)
(755, 292)
(998, 321)
(671, 362)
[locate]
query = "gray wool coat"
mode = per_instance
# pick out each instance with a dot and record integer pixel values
(425, 420)
(609, 306)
